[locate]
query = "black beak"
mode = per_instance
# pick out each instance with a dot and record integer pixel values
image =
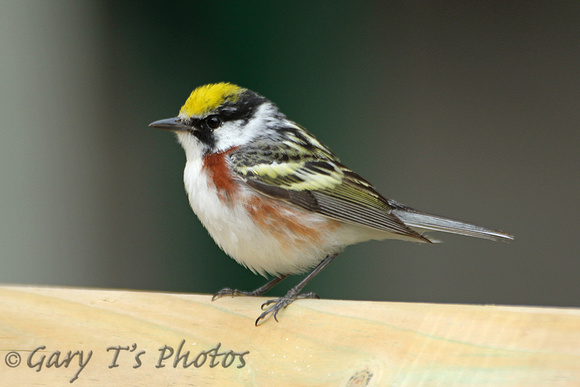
(172, 124)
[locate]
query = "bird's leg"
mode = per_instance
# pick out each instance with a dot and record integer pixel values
(256, 293)
(294, 293)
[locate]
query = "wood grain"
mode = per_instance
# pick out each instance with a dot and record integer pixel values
(316, 342)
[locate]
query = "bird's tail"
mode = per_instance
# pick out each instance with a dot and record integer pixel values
(423, 221)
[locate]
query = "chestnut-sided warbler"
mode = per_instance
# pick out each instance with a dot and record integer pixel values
(275, 198)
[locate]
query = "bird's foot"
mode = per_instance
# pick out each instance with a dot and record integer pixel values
(234, 293)
(255, 293)
(281, 303)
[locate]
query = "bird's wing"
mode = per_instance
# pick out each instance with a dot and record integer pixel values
(317, 183)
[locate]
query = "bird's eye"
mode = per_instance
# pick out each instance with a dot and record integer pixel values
(213, 122)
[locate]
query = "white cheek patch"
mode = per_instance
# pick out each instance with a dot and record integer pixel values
(237, 133)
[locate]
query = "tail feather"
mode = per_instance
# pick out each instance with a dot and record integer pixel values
(423, 221)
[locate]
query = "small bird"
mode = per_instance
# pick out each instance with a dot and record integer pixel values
(276, 199)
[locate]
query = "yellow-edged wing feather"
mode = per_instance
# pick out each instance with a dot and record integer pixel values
(312, 178)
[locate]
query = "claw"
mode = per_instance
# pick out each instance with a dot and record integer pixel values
(280, 304)
(265, 304)
(272, 311)
(260, 318)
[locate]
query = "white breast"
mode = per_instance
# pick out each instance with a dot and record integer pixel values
(260, 248)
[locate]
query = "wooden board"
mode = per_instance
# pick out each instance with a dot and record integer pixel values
(57, 336)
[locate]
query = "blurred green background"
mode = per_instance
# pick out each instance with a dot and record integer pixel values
(464, 109)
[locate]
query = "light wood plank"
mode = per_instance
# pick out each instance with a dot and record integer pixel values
(316, 342)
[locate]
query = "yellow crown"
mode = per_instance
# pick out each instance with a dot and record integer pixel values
(207, 98)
